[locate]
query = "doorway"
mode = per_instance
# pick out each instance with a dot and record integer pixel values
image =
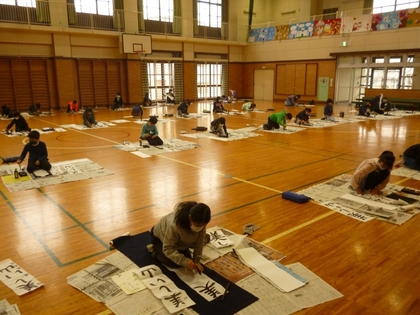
(264, 84)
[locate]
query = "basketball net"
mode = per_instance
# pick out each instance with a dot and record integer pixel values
(141, 54)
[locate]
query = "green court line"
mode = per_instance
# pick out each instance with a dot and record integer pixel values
(86, 257)
(63, 229)
(42, 243)
(116, 215)
(34, 234)
(80, 224)
(245, 205)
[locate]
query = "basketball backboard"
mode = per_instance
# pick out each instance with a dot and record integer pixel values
(133, 43)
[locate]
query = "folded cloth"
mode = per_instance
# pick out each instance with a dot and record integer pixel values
(249, 228)
(295, 197)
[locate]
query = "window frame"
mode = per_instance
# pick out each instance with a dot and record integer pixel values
(209, 80)
(16, 3)
(161, 8)
(396, 6)
(110, 5)
(214, 8)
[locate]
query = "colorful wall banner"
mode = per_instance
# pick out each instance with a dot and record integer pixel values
(305, 29)
(389, 20)
(413, 18)
(347, 24)
(262, 34)
(327, 27)
(353, 24)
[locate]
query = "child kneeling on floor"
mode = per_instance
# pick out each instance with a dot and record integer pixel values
(150, 132)
(38, 154)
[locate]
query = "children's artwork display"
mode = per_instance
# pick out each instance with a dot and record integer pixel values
(282, 32)
(389, 20)
(304, 29)
(354, 24)
(343, 25)
(327, 27)
(413, 18)
(262, 34)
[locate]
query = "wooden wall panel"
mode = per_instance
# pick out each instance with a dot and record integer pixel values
(327, 68)
(189, 80)
(52, 85)
(134, 87)
(280, 79)
(40, 85)
(393, 93)
(311, 79)
(86, 81)
(100, 83)
(286, 80)
(123, 81)
(22, 84)
(114, 80)
(7, 91)
(300, 79)
(289, 86)
(235, 77)
(66, 78)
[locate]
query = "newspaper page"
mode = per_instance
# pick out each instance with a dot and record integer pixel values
(274, 302)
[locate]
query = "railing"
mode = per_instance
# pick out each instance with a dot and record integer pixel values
(25, 15)
(64, 15)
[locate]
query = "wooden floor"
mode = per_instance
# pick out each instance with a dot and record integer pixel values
(55, 231)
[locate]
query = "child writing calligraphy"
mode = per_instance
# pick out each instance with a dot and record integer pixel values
(176, 232)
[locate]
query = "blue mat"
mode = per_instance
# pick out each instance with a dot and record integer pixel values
(134, 247)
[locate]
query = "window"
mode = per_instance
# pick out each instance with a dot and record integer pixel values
(209, 13)
(20, 3)
(395, 59)
(100, 7)
(209, 80)
(378, 59)
(329, 13)
(161, 78)
(158, 10)
(393, 5)
(407, 79)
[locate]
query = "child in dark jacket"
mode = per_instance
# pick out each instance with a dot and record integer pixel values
(19, 122)
(302, 118)
(218, 127)
(6, 111)
(183, 108)
(218, 106)
(328, 110)
(38, 154)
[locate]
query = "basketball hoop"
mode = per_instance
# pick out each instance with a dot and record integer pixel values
(141, 54)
